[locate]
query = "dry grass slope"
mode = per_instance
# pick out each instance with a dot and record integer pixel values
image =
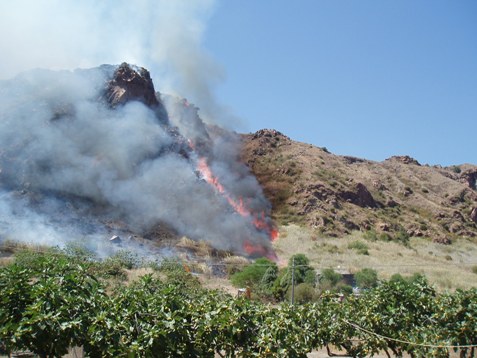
(325, 202)
(447, 267)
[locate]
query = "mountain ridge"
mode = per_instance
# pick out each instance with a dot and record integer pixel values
(335, 195)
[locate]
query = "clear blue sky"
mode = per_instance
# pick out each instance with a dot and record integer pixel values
(368, 78)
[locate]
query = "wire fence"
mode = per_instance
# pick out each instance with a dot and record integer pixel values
(426, 345)
(39, 249)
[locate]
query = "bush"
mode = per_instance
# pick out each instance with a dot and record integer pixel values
(456, 169)
(370, 235)
(402, 237)
(35, 259)
(397, 278)
(124, 259)
(342, 287)
(79, 253)
(366, 278)
(253, 274)
(268, 279)
(330, 277)
(333, 281)
(304, 273)
(304, 292)
(415, 278)
(110, 269)
(174, 272)
(49, 308)
(384, 237)
(360, 247)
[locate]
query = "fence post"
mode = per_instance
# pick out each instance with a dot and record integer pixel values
(293, 282)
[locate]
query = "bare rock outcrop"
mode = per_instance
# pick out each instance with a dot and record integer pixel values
(359, 196)
(442, 240)
(473, 215)
(267, 140)
(131, 84)
(269, 135)
(405, 159)
(470, 177)
(351, 160)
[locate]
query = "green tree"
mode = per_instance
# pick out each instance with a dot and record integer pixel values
(268, 279)
(255, 274)
(303, 273)
(366, 278)
(304, 292)
(57, 302)
(329, 278)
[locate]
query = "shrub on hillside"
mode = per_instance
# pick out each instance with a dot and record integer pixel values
(329, 278)
(370, 235)
(456, 169)
(366, 278)
(304, 292)
(176, 273)
(124, 259)
(303, 273)
(360, 247)
(253, 274)
(402, 237)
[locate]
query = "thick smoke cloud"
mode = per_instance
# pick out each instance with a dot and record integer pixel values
(63, 145)
(60, 144)
(161, 35)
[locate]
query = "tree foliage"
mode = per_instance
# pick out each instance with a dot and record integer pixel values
(366, 278)
(59, 303)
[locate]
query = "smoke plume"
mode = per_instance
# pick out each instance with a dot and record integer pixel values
(161, 35)
(71, 162)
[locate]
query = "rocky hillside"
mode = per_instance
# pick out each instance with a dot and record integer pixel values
(335, 195)
(96, 154)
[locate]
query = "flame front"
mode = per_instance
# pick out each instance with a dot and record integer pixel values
(258, 219)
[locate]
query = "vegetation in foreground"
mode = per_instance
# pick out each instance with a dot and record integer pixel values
(50, 302)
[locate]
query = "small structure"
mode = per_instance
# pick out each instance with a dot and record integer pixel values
(244, 292)
(115, 240)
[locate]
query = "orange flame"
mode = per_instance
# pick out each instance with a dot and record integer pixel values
(259, 251)
(238, 205)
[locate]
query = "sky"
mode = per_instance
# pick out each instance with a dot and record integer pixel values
(367, 78)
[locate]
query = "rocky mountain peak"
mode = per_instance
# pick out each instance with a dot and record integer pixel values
(131, 84)
(405, 159)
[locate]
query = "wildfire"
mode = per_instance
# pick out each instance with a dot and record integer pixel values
(259, 251)
(258, 219)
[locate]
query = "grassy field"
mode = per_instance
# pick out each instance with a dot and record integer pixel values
(447, 266)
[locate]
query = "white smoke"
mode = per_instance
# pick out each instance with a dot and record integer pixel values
(162, 35)
(56, 136)
(60, 141)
